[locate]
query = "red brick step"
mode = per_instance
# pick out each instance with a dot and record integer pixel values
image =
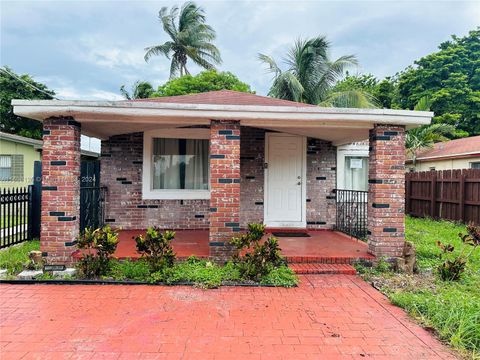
(313, 268)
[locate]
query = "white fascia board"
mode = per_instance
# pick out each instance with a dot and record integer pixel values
(248, 114)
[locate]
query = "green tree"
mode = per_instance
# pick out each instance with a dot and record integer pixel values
(14, 86)
(311, 75)
(205, 81)
(450, 77)
(191, 38)
(140, 90)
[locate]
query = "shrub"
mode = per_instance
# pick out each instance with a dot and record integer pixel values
(453, 265)
(259, 259)
(156, 248)
(130, 270)
(98, 245)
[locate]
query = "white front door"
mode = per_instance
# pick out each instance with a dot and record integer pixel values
(285, 180)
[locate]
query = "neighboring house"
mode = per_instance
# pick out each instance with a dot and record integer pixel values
(17, 156)
(218, 161)
(449, 155)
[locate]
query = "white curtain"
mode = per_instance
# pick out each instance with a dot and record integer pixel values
(180, 164)
(356, 173)
(166, 164)
(196, 165)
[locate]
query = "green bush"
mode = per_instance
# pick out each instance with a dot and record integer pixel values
(130, 270)
(156, 248)
(259, 258)
(97, 248)
(15, 257)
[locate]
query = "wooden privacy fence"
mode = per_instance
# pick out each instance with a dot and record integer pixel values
(448, 194)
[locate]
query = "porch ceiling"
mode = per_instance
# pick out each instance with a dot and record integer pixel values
(106, 118)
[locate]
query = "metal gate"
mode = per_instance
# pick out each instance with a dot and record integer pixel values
(352, 212)
(92, 195)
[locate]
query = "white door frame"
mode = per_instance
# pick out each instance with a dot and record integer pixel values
(287, 224)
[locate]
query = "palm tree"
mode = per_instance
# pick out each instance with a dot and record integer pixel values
(311, 75)
(190, 38)
(140, 90)
(425, 137)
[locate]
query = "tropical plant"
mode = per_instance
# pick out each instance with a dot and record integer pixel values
(156, 248)
(208, 80)
(424, 137)
(311, 75)
(191, 38)
(97, 245)
(454, 265)
(259, 258)
(16, 86)
(140, 90)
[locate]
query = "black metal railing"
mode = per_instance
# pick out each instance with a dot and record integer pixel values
(352, 212)
(15, 215)
(92, 206)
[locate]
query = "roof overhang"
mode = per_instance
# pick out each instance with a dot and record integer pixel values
(107, 118)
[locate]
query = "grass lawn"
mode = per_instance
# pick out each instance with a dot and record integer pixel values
(451, 309)
(14, 257)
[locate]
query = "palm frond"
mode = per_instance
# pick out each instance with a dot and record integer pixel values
(351, 99)
(424, 104)
(163, 49)
(271, 64)
(168, 20)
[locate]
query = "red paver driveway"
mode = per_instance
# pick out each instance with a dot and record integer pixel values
(326, 317)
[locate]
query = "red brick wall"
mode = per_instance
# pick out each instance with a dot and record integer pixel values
(60, 189)
(224, 186)
(121, 172)
(386, 198)
(321, 181)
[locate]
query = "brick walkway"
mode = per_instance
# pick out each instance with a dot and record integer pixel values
(326, 317)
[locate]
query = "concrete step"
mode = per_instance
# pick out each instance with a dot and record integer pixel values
(326, 259)
(312, 268)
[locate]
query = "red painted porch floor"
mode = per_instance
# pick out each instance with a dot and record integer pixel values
(328, 247)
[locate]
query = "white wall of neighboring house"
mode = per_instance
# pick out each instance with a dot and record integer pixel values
(448, 164)
(352, 166)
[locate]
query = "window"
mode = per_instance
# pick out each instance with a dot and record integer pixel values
(356, 173)
(180, 164)
(475, 165)
(176, 164)
(6, 168)
(432, 168)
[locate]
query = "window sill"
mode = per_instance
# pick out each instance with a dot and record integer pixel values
(176, 195)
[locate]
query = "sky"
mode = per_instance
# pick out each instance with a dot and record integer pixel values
(88, 49)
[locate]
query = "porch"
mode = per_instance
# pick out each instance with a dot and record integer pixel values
(321, 246)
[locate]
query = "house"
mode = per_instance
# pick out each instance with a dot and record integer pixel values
(449, 155)
(218, 161)
(17, 157)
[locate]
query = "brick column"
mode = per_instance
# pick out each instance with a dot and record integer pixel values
(60, 189)
(386, 191)
(224, 186)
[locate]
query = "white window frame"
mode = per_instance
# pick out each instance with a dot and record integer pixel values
(474, 163)
(148, 193)
(354, 149)
(11, 167)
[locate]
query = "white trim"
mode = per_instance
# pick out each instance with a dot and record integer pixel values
(344, 151)
(287, 224)
(147, 192)
(447, 156)
(155, 112)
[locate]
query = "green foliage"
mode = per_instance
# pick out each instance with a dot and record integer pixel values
(97, 245)
(191, 38)
(15, 257)
(310, 74)
(209, 80)
(424, 137)
(12, 88)
(156, 248)
(452, 308)
(138, 270)
(453, 266)
(280, 276)
(140, 90)
(451, 78)
(260, 259)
